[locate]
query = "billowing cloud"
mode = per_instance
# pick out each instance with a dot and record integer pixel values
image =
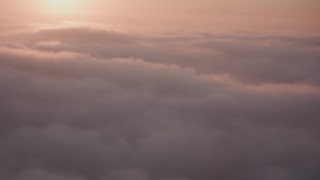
(94, 103)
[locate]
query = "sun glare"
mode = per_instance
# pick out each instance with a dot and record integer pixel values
(62, 7)
(61, 2)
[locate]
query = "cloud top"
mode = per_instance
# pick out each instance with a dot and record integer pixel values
(96, 103)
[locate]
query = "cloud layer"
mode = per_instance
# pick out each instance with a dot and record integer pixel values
(95, 103)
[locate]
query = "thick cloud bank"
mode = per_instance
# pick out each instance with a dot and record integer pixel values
(94, 103)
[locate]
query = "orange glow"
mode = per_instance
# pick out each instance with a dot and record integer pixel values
(61, 7)
(253, 15)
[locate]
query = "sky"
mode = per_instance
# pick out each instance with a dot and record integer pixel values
(159, 90)
(262, 15)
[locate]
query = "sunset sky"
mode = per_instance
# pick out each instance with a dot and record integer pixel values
(159, 90)
(272, 15)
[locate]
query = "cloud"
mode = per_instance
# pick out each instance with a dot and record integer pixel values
(258, 58)
(35, 174)
(90, 102)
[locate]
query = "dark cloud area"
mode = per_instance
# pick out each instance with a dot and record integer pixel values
(98, 103)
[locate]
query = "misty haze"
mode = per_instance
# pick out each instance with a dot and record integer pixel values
(159, 90)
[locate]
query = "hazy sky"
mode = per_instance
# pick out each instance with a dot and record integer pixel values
(272, 15)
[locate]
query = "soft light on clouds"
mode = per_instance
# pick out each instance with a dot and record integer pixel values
(159, 90)
(89, 101)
